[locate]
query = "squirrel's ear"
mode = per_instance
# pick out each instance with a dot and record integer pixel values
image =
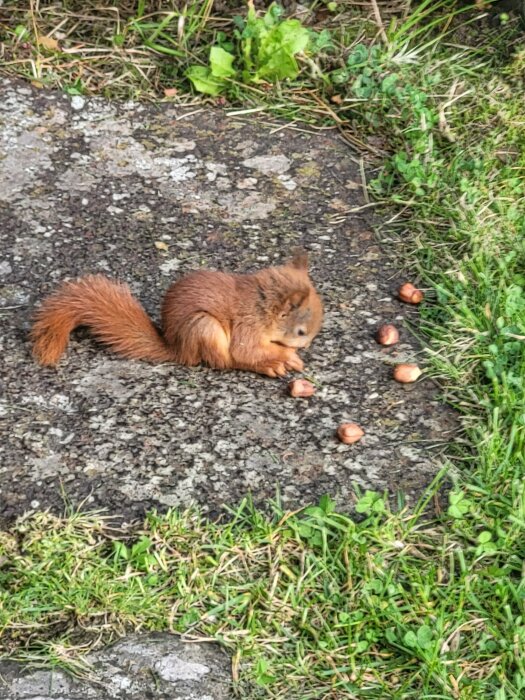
(299, 259)
(292, 301)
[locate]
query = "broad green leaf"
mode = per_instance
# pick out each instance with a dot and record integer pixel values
(290, 35)
(263, 677)
(359, 54)
(389, 84)
(221, 63)
(424, 637)
(456, 512)
(484, 537)
(339, 76)
(278, 67)
(379, 506)
(204, 81)
(455, 497)
(21, 31)
(304, 530)
(271, 18)
(326, 503)
(275, 55)
(320, 40)
(364, 87)
(142, 545)
(391, 635)
(410, 639)
(120, 549)
(315, 511)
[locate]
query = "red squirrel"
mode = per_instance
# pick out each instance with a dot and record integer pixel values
(255, 322)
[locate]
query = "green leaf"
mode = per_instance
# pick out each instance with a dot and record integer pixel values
(21, 31)
(279, 66)
(239, 22)
(120, 550)
(410, 639)
(339, 76)
(294, 37)
(203, 80)
(390, 635)
(304, 530)
(379, 506)
(326, 503)
(487, 548)
(455, 497)
(262, 676)
(370, 502)
(221, 63)
(375, 585)
(316, 540)
(359, 55)
(364, 87)
(277, 47)
(315, 512)
(484, 537)
(272, 17)
(189, 618)
(424, 637)
(389, 84)
(320, 40)
(141, 546)
(455, 512)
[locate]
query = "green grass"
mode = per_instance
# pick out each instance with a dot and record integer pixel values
(311, 605)
(317, 604)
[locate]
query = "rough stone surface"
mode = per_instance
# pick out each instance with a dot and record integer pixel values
(159, 666)
(145, 194)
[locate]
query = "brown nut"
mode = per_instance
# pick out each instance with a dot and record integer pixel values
(410, 294)
(301, 388)
(349, 433)
(406, 373)
(387, 335)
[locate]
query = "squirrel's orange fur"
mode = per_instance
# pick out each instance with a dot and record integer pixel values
(252, 322)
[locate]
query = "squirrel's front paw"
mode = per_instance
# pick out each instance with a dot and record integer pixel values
(294, 362)
(279, 368)
(274, 368)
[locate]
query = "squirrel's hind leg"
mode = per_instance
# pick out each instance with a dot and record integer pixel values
(203, 339)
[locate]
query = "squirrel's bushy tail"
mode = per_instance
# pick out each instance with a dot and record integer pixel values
(108, 309)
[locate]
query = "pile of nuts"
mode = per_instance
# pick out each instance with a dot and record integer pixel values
(387, 335)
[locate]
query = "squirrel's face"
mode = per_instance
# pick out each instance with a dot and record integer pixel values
(299, 321)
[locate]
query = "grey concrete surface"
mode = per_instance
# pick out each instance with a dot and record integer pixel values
(159, 666)
(145, 194)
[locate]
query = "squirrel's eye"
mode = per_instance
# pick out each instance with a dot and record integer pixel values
(301, 331)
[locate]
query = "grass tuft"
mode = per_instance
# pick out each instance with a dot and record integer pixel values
(312, 604)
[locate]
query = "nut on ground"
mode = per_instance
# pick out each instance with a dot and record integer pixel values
(301, 388)
(387, 335)
(349, 433)
(406, 373)
(410, 294)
